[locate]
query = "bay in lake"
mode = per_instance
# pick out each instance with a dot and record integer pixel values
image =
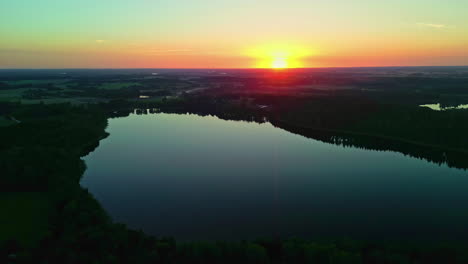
(194, 177)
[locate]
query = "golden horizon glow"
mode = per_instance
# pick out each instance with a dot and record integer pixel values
(268, 34)
(279, 63)
(279, 56)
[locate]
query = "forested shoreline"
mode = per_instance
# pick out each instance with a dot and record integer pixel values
(49, 218)
(41, 165)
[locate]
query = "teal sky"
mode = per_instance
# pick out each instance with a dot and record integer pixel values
(217, 33)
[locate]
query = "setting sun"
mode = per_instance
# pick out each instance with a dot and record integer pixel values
(279, 56)
(279, 63)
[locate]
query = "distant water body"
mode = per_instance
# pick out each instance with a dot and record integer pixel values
(438, 107)
(194, 177)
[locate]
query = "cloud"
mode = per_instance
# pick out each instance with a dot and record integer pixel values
(99, 41)
(170, 50)
(431, 25)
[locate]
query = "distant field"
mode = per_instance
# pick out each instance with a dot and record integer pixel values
(25, 217)
(117, 85)
(54, 97)
(32, 82)
(12, 95)
(72, 100)
(5, 122)
(148, 100)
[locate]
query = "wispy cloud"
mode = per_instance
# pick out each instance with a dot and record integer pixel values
(170, 50)
(432, 25)
(99, 41)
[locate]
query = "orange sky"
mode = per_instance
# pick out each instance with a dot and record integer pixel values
(232, 34)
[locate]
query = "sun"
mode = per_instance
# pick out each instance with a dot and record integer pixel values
(279, 56)
(279, 63)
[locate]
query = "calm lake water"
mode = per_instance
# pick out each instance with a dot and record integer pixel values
(195, 177)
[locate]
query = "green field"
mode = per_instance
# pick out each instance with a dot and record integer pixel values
(55, 97)
(117, 85)
(25, 217)
(60, 100)
(6, 122)
(12, 95)
(32, 82)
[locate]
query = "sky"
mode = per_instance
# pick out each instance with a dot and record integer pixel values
(232, 33)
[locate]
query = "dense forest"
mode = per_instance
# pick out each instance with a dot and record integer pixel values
(436, 136)
(49, 218)
(49, 124)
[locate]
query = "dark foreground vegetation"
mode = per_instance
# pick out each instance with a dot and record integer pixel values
(48, 217)
(41, 166)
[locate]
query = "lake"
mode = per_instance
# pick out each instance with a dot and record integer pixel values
(438, 107)
(194, 177)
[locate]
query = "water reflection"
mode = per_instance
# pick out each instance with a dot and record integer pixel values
(147, 111)
(438, 155)
(200, 177)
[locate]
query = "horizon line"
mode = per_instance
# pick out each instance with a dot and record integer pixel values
(233, 68)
